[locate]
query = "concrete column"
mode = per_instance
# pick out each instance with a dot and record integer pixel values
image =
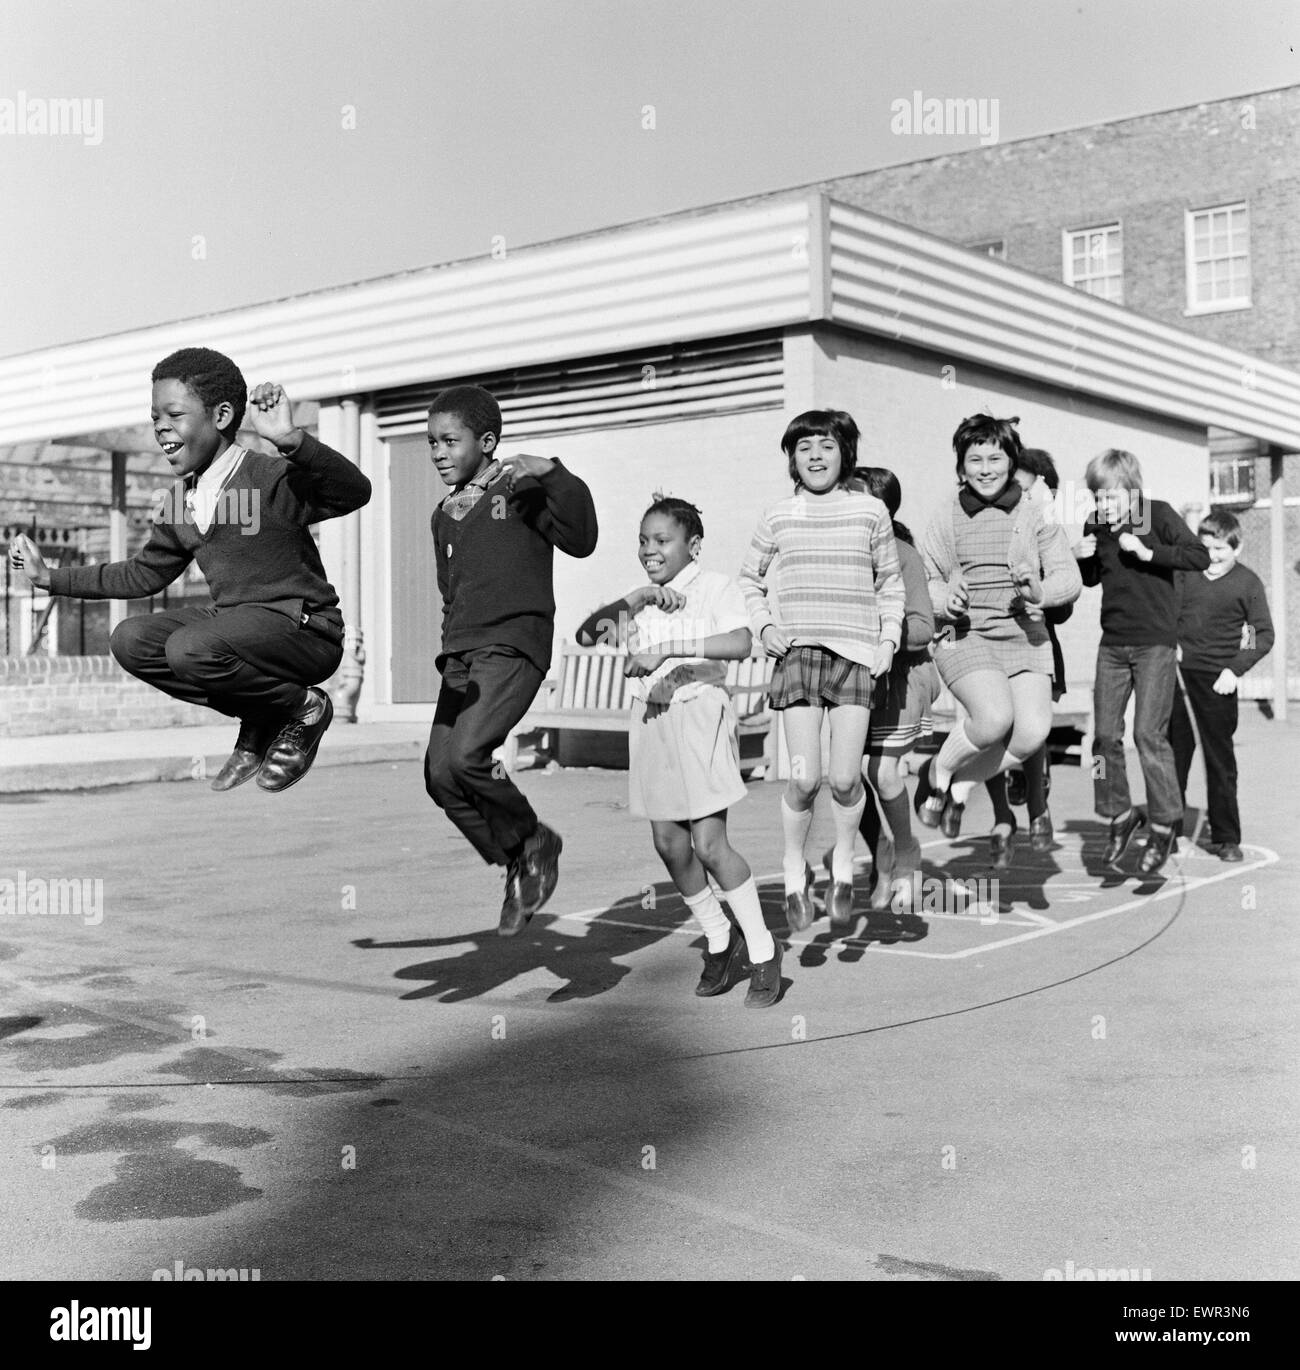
(1278, 573)
(352, 669)
(117, 531)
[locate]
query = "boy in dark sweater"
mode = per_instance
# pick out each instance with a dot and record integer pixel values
(1132, 547)
(494, 537)
(1224, 628)
(274, 630)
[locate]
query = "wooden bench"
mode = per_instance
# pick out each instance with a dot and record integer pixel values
(590, 693)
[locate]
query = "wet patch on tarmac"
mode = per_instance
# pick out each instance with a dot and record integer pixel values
(103, 1040)
(256, 1067)
(134, 1103)
(21, 1101)
(10, 1027)
(896, 1265)
(156, 1177)
(174, 1185)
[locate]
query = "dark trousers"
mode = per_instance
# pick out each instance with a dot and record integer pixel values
(249, 662)
(1149, 674)
(1216, 721)
(484, 694)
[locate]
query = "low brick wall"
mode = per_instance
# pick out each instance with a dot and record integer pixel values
(83, 694)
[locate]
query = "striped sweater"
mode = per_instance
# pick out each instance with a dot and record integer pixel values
(837, 579)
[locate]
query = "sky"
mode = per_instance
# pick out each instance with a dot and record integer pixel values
(247, 150)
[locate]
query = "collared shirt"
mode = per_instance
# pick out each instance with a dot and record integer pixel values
(714, 604)
(1006, 499)
(202, 498)
(460, 502)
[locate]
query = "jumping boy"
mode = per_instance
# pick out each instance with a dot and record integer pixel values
(1224, 628)
(494, 538)
(1131, 547)
(273, 631)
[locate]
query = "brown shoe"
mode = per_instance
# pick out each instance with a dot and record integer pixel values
(800, 911)
(290, 756)
(246, 760)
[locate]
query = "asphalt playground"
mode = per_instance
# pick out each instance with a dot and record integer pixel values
(291, 1042)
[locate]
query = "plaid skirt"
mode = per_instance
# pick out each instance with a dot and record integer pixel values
(901, 716)
(1004, 647)
(812, 675)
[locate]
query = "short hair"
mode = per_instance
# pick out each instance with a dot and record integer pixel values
(472, 405)
(823, 423)
(884, 484)
(1221, 523)
(1039, 463)
(1114, 467)
(985, 428)
(682, 512)
(211, 376)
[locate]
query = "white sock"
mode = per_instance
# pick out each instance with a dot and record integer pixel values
(957, 749)
(960, 790)
(743, 902)
(846, 831)
(795, 825)
(710, 916)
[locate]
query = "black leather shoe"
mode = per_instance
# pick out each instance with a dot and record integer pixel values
(246, 760)
(539, 868)
(723, 968)
(1017, 793)
(1156, 852)
(839, 899)
(513, 913)
(928, 802)
(291, 754)
(1121, 833)
(1042, 836)
(799, 908)
(1229, 851)
(1001, 847)
(765, 982)
(950, 825)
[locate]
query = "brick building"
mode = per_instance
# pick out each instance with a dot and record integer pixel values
(670, 355)
(1188, 216)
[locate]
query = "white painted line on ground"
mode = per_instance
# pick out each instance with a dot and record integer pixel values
(1177, 887)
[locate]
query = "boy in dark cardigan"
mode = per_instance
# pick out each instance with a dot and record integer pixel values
(1224, 628)
(494, 537)
(274, 630)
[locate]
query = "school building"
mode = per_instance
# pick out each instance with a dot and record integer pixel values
(1188, 216)
(665, 355)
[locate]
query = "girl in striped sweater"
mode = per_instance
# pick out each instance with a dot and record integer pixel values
(837, 624)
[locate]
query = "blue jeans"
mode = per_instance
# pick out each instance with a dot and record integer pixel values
(1150, 674)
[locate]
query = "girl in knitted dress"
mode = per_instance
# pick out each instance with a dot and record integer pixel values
(996, 560)
(835, 625)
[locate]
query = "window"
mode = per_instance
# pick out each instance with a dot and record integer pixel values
(1218, 259)
(994, 248)
(1094, 261)
(1232, 480)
